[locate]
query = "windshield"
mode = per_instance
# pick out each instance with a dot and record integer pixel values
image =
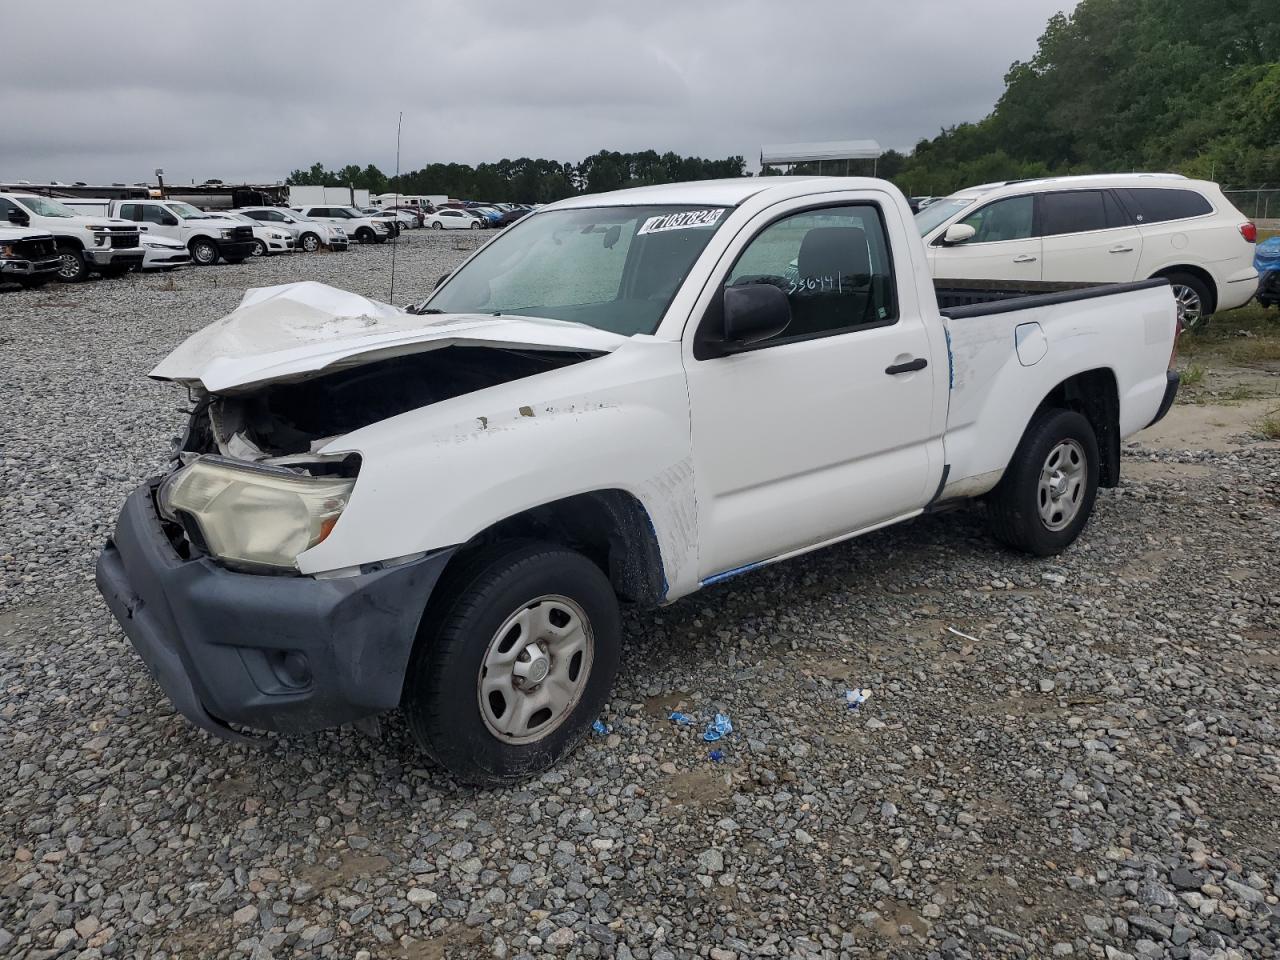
(612, 268)
(186, 211)
(44, 207)
(940, 212)
(295, 215)
(350, 213)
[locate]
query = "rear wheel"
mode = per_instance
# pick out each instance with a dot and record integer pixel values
(1048, 491)
(514, 663)
(73, 268)
(1195, 300)
(310, 242)
(203, 252)
(437, 225)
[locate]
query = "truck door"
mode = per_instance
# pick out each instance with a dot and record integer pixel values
(1005, 247)
(158, 221)
(1087, 238)
(830, 426)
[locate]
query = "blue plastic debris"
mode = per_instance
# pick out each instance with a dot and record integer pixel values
(717, 728)
(856, 698)
(600, 727)
(715, 756)
(681, 718)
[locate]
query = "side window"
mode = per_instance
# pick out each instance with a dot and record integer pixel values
(131, 211)
(257, 215)
(1074, 211)
(274, 215)
(832, 264)
(1156, 205)
(1011, 219)
(154, 214)
(7, 207)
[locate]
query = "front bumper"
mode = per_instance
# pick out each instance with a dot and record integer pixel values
(284, 653)
(235, 249)
(24, 269)
(108, 257)
(337, 244)
(157, 259)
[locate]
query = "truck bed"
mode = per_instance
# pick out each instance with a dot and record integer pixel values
(956, 294)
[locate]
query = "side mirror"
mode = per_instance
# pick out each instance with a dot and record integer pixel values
(754, 312)
(18, 218)
(958, 233)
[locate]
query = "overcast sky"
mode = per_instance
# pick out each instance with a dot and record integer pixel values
(243, 90)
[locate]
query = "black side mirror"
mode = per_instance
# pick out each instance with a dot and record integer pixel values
(754, 312)
(18, 218)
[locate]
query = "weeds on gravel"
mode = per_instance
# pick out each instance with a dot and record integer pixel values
(1193, 376)
(1248, 336)
(1269, 426)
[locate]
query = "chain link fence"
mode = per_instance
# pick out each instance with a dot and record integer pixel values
(1262, 203)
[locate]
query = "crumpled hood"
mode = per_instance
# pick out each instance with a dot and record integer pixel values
(295, 330)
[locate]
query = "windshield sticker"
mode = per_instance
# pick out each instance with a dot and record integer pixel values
(681, 221)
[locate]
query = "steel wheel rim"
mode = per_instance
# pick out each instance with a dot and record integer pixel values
(204, 254)
(68, 267)
(535, 669)
(1190, 307)
(1062, 485)
(310, 244)
(259, 249)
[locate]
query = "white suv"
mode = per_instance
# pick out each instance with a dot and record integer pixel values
(1098, 229)
(359, 227)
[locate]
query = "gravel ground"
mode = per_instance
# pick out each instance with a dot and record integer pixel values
(1089, 767)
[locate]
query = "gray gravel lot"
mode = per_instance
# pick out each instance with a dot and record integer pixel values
(1090, 767)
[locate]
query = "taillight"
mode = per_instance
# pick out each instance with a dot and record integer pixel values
(1249, 231)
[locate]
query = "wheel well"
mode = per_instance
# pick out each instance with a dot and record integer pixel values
(610, 527)
(194, 240)
(74, 242)
(1094, 394)
(1202, 275)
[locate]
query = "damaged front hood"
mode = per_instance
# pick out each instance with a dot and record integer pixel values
(296, 330)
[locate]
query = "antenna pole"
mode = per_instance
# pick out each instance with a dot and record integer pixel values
(395, 241)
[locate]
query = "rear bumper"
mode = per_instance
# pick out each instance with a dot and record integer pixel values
(284, 653)
(1238, 290)
(1173, 378)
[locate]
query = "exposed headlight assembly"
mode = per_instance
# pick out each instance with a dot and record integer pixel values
(254, 515)
(227, 233)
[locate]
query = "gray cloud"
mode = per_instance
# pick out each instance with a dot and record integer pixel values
(106, 92)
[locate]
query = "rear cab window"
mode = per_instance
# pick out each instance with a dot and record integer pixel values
(1160, 204)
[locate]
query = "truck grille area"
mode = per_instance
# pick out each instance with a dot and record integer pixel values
(242, 233)
(124, 238)
(41, 248)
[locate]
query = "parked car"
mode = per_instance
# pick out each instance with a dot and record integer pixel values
(361, 228)
(1267, 262)
(448, 218)
(267, 240)
(510, 217)
(351, 536)
(309, 234)
(1099, 229)
(491, 215)
(86, 244)
(210, 237)
(27, 257)
(164, 253)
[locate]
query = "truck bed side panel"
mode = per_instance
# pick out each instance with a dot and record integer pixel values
(995, 391)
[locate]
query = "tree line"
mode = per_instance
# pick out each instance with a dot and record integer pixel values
(1188, 86)
(526, 180)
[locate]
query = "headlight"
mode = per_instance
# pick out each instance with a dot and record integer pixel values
(339, 232)
(255, 515)
(227, 233)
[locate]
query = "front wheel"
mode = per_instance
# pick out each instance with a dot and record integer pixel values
(259, 249)
(514, 663)
(72, 268)
(204, 253)
(310, 242)
(475, 224)
(1047, 493)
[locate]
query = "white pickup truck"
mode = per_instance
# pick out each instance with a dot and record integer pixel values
(27, 257)
(208, 236)
(85, 243)
(625, 396)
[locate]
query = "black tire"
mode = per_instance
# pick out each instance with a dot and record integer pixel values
(73, 268)
(260, 249)
(204, 252)
(475, 224)
(437, 225)
(310, 242)
(1016, 507)
(1190, 291)
(441, 693)
(363, 235)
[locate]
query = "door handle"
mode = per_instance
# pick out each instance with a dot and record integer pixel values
(911, 366)
(1121, 250)
(1025, 259)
